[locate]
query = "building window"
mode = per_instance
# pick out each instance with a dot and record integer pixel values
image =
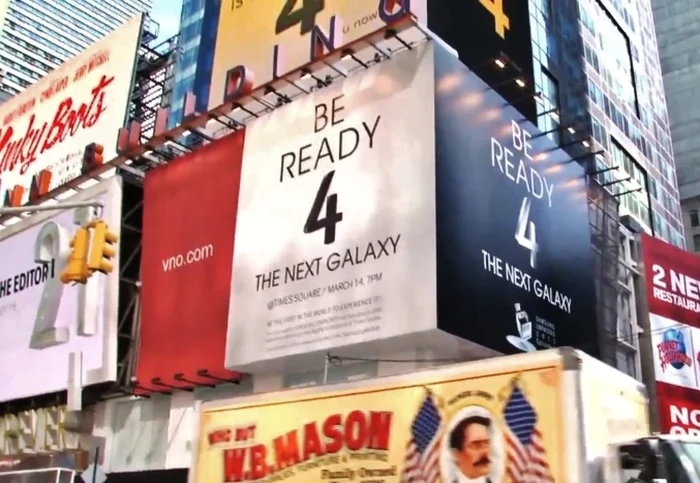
(694, 222)
(548, 107)
(696, 243)
(635, 201)
(614, 47)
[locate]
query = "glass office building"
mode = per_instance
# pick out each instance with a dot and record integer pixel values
(198, 27)
(679, 43)
(597, 67)
(606, 50)
(39, 35)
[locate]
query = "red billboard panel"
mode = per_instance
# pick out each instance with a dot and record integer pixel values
(189, 221)
(679, 409)
(672, 280)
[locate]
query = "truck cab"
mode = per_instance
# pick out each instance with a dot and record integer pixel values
(658, 458)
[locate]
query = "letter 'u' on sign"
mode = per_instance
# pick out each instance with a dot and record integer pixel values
(500, 19)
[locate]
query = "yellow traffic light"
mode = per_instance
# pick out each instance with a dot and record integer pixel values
(103, 248)
(77, 269)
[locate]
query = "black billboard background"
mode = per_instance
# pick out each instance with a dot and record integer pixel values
(477, 208)
(469, 27)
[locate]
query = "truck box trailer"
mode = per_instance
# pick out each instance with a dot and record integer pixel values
(555, 415)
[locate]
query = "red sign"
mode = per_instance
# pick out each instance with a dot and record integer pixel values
(189, 221)
(679, 409)
(672, 280)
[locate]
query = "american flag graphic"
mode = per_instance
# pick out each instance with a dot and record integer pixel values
(526, 459)
(422, 464)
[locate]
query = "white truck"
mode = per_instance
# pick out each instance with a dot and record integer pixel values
(556, 415)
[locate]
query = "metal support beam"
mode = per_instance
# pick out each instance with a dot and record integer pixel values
(60, 206)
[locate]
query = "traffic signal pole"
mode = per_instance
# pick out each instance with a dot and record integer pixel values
(59, 206)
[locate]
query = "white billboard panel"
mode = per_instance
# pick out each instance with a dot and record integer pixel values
(43, 321)
(676, 349)
(335, 236)
(44, 129)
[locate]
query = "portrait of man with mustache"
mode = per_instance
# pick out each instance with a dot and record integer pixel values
(470, 446)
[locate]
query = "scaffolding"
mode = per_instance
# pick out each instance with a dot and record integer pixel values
(153, 78)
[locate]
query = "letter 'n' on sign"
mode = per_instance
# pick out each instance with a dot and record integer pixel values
(40, 184)
(13, 197)
(322, 44)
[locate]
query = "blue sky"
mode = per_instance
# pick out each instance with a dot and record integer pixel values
(167, 14)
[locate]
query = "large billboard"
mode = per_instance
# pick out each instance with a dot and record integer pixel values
(514, 261)
(448, 428)
(672, 279)
(42, 320)
(274, 37)
(44, 129)
(408, 198)
(189, 220)
(335, 240)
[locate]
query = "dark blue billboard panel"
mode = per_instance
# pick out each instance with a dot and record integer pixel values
(515, 270)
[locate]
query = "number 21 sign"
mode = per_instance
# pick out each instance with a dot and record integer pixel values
(42, 320)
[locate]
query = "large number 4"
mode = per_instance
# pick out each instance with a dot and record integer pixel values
(304, 15)
(500, 19)
(332, 218)
(525, 233)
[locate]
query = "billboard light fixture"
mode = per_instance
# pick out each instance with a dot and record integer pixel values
(571, 129)
(601, 171)
(499, 63)
(148, 390)
(619, 180)
(205, 373)
(240, 106)
(227, 121)
(547, 133)
(281, 98)
(537, 96)
(157, 381)
(307, 74)
(393, 34)
(585, 155)
(520, 82)
(350, 54)
(629, 192)
(586, 143)
(180, 377)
